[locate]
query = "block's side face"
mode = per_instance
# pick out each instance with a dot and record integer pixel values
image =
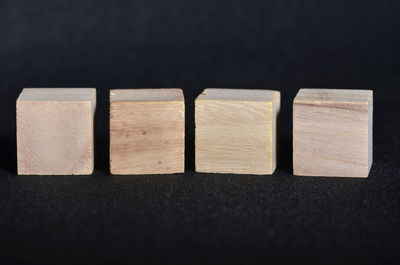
(330, 140)
(147, 137)
(370, 131)
(93, 105)
(54, 138)
(275, 130)
(233, 137)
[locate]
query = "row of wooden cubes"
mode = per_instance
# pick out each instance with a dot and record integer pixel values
(236, 131)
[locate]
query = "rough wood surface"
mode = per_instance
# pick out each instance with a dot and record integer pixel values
(332, 132)
(147, 131)
(236, 131)
(55, 131)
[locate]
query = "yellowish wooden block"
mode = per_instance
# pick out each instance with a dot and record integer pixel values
(147, 131)
(236, 131)
(332, 132)
(55, 131)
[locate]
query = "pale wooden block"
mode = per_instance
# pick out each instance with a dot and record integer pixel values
(236, 131)
(55, 131)
(332, 132)
(147, 131)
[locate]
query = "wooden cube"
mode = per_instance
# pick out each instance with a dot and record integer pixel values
(332, 132)
(147, 131)
(236, 131)
(55, 131)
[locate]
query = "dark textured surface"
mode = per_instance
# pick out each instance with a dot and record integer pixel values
(200, 218)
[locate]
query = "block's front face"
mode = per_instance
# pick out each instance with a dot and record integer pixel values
(234, 137)
(331, 139)
(54, 138)
(147, 137)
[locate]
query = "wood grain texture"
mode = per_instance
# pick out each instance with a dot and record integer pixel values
(147, 131)
(236, 131)
(55, 131)
(332, 132)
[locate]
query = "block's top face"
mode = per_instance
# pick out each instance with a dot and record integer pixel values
(57, 94)
(226, 94)
(333, 96)
(146, 95)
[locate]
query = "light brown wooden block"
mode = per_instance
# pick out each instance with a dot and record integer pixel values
(332, 132)
(55, 131)
(147, 131)
(236, 131)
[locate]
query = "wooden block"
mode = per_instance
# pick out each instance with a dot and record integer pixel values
(147, 131)
(55, 131)
(236, 131)
(332, 132)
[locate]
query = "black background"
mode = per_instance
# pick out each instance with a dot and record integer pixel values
(193, 217)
